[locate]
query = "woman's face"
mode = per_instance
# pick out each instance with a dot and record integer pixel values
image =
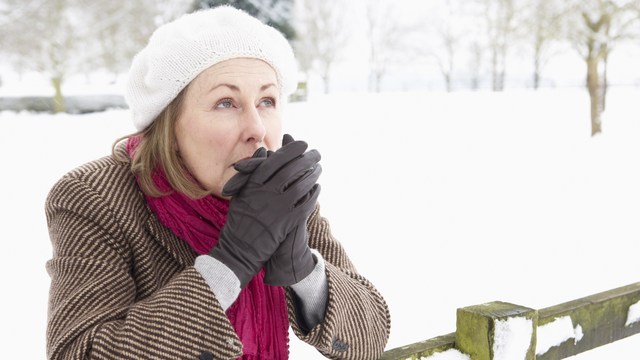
(229, 110)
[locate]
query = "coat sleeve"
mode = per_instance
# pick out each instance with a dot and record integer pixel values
(94, 311)
(357, 321)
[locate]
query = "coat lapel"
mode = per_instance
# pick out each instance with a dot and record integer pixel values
(178, 248)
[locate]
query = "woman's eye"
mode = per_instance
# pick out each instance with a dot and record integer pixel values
(268, 102)
(224, 104)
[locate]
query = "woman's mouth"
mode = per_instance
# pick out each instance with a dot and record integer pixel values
(244, 158)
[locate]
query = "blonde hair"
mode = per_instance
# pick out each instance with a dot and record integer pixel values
(158, 147)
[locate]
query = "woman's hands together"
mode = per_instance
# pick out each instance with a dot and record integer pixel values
(273, 194)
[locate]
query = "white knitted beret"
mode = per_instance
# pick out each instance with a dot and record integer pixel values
(180, 50)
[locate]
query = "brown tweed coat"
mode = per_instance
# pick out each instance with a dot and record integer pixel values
(124, 287)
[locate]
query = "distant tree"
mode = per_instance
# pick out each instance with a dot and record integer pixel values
(543, 27)
(45, 36)
(595, 29)
(450, 39)
(500, 26)
(61, 38)
(476, 56)
(276, 13)
(122, 28)
(387, 38)
(322, 34)
(448, 33)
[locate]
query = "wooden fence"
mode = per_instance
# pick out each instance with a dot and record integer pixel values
(503, 331)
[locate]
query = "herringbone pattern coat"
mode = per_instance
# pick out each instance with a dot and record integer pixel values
(124, 287)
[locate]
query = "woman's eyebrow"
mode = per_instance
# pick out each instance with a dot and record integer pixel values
(266, 86)
(237, 89)
(230, 86)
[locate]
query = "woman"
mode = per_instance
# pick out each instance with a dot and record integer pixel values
(200, 236)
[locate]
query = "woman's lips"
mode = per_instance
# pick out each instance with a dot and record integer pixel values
(244, 158)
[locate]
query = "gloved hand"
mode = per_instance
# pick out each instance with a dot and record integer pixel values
(280, 191)
(293, 260)
(246, 167)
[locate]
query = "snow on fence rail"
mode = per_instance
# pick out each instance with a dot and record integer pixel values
(503, 331)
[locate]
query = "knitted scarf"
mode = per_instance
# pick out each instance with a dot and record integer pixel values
(259, 315)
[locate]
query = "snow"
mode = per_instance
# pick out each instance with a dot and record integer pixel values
(557, 332)
(634, 314)
(512, 338)
(441, 200)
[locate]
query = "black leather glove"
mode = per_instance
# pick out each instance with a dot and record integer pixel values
(293, 260)
(280, 191)
(245, 168)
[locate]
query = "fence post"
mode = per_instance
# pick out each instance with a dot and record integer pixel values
(497, 331)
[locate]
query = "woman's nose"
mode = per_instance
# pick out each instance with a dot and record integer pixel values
(253, 126)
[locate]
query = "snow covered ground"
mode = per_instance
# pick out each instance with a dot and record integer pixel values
(442, 200)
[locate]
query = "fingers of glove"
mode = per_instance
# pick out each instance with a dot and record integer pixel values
(308, 201)
(295, 169)
(235, 184)
(244, 168)
(276, 160)
(286, 139)
(248, 165)
(314, 172)
(301, 184)
(260, 152)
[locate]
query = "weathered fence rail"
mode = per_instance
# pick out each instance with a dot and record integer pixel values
(503, 331)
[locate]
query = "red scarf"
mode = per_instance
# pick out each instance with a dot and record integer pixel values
(259, 314)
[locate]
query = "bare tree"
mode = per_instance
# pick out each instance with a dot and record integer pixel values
(450, 41)
(121, 29)
(448, 27)
(500, 19)
(61, 38)
(476, 56)
(49, 37)
(387, 34)
(544, 27)
(322, 35)
(596, 28)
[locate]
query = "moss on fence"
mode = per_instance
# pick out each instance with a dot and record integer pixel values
(602, 318)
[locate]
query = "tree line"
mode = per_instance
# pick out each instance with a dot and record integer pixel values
(470, 42)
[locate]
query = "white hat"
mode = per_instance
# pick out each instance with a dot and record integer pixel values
(180, 50)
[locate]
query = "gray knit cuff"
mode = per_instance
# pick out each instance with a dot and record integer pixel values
(313, 292)
(222, 281)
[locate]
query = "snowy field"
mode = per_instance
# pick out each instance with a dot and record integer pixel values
(442, 200)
